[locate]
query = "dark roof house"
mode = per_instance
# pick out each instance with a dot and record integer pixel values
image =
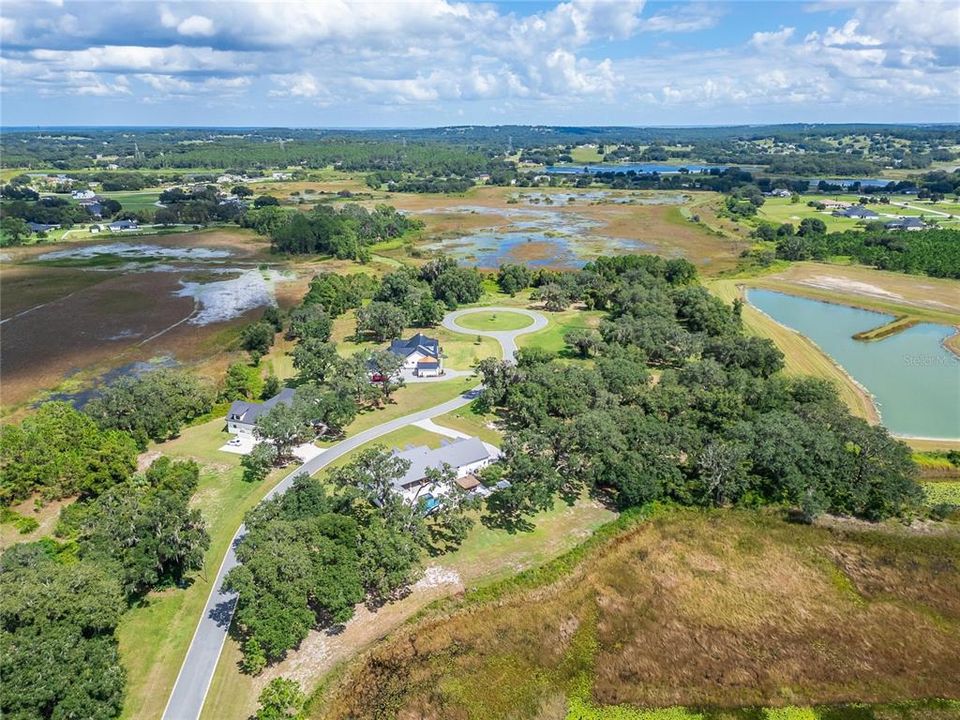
(906, 223)
(242, 412)
(419, 343)
(42, 227)
(856, 211)
(122, 225)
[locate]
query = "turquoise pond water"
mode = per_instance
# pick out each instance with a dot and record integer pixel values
(913, 378)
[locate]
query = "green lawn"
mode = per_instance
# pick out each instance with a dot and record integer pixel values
(551, 337)
(155, 635)
(585, 154)
(494, 321)
(468, 420)
(134, 200)
(409, 399)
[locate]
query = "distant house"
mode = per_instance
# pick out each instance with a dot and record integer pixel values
(42, 227)
(420, 354)
(93, 207)
(464, 457)
(123, 226)
(780, 192)
(83, 194)
(906, 223)
(281, 175)
(856, 211)
(242, 415)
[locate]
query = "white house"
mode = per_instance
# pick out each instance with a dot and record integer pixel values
(421, 354)
(242, 415)
(464, 457)
(83, 194)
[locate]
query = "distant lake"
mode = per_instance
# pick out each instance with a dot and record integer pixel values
(847, 182)
(639, 168)
(914, 379)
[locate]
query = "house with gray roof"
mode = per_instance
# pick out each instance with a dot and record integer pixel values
(420, 353)
(124, 226)
(856, 211)
(42, 227)
(464, 456)
(906, 223)
(242, 415)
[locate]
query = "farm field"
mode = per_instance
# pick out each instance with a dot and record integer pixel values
(774, 614)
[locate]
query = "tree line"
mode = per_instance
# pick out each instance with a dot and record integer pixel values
(931, 252)
(719, 426)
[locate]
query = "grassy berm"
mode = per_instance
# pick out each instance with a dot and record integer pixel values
(722, 614)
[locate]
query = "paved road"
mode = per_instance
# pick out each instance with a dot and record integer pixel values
(196, 673)
(198, 667)
(506, 338)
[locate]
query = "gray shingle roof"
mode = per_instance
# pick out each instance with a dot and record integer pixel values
(248, 412)
(456, 454)
(419, 342)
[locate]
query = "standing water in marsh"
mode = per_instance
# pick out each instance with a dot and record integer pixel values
(914, 379)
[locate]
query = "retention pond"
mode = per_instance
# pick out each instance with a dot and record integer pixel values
(913, 378)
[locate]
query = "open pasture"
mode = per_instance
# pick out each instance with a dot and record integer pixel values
(772, 614)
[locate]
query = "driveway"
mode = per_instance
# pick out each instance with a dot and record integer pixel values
(196, 672)
(506, 338)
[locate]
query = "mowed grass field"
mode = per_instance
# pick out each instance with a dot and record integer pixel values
(498, 320)
(720, 609)
(155, 635)
(778, 210)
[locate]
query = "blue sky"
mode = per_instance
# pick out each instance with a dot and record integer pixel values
(353, 63)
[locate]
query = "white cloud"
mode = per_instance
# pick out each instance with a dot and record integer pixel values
(196, 26)
(297, 85)
(432, 53)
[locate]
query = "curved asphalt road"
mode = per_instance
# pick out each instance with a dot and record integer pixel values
(506, 338)
(196, 673)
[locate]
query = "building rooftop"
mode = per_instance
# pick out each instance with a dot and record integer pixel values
(456, 454)
(248, 412)
(419, 342)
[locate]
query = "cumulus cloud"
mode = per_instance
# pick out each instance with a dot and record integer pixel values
(433, 53)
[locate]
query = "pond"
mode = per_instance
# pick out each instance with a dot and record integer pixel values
(638, 168)
(913, 377)
(534, 237)
(599, 197)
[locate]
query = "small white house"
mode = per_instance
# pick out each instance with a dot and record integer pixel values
(83, 194)
(420, 354)
(464, 457)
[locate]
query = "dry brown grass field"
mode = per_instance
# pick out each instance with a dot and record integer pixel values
(707, 609)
